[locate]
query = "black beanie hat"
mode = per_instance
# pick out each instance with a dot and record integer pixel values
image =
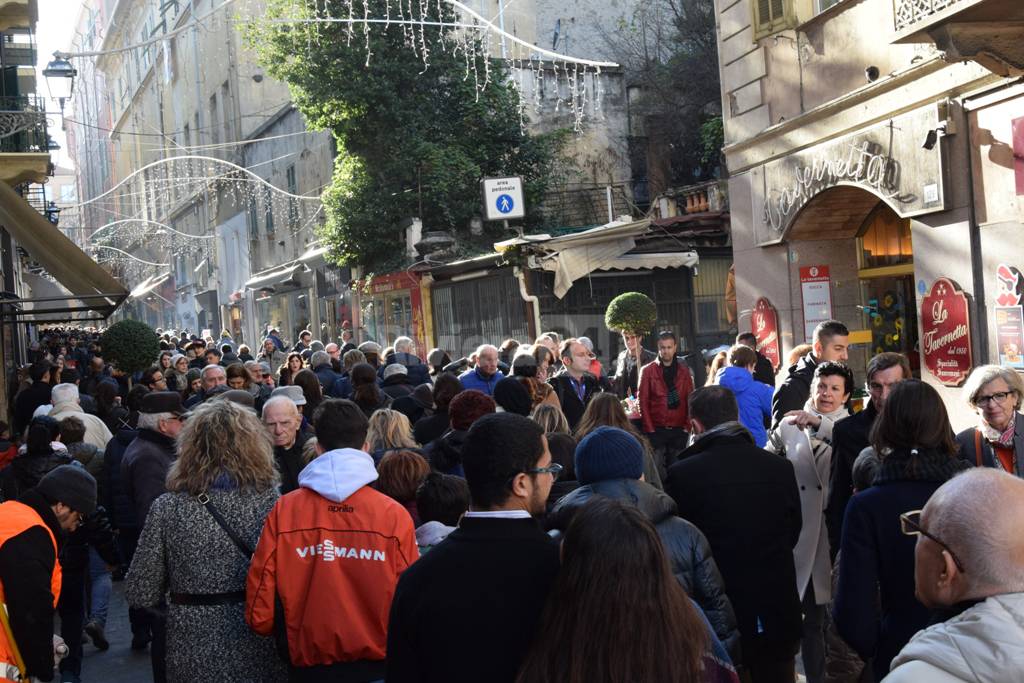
(71, 485)
(512, 396)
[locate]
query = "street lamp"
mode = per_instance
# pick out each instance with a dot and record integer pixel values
(60, 79)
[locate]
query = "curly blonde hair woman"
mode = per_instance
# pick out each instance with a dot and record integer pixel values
(389, 430)
(224, 454)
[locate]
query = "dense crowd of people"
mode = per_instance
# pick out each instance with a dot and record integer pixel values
(343, 512)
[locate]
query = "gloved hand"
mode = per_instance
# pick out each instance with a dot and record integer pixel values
(60, 650)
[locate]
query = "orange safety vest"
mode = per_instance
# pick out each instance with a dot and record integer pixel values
(16, 518)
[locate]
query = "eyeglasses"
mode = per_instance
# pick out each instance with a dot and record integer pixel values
(554, 469)
(910, 525)
(998, 397)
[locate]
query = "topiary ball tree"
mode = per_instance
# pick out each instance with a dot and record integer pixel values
(631, 312)
(131, 345)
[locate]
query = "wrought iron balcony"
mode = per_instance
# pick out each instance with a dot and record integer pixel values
(23, 124)
(910, 12)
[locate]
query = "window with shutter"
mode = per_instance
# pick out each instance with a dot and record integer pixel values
(770, 16)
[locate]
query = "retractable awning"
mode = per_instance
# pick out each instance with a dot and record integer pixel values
(91, 289)
(148, 285)
(270, 279)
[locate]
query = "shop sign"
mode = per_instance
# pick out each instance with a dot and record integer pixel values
(886, 160)
(946, 333)
(1009, 316)
(764, 323)
(816, 290)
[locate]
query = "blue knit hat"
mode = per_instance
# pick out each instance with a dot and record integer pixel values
(608, 453)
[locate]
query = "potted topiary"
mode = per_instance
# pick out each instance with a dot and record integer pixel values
(631, 312)
(132, 346)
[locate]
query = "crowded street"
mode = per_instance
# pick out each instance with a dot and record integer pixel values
(511, 341)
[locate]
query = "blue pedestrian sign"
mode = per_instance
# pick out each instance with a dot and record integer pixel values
(503, 198)
(504, 204)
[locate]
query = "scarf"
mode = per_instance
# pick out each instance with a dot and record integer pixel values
(918, 465)
(834, 416)
(668, 373)
(994, 436)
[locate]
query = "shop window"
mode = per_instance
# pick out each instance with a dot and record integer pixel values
(886, 242)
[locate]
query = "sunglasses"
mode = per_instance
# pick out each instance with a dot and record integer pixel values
(910, 525)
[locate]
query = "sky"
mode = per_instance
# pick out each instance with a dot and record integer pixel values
(54, 32)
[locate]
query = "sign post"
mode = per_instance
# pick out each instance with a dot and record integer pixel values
(816, 290)
(946, 338)
(764, 323)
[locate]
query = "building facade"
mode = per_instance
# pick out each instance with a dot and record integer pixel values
(869, 147)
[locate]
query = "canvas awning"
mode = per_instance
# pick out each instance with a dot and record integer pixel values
(671, 259)
(90, 287)
(148, 285)
(270, 279)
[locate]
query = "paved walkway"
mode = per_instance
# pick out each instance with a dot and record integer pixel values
(118, 664)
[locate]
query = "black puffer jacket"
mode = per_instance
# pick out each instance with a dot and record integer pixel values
(26, 470)
(688, 550)
(445, 454)
(118, 502)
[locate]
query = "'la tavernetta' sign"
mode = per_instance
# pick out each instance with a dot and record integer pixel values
(886, 159)
(946, 333)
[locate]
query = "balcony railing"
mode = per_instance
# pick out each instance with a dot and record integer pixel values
(23, 124)
(910, 12)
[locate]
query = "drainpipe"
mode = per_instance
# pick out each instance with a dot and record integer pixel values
(530, 299)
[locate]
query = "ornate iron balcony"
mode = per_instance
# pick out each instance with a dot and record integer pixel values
(909, 12)
(23, 124)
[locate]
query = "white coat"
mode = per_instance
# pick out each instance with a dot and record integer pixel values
(984, 644)
(810, 452)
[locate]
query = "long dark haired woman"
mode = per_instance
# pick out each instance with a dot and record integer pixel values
(616, 613)
(914, 441)
(291, 367)
(41, 453)
(365, 392)
(311, 390)
(109, 408)
(605, 410)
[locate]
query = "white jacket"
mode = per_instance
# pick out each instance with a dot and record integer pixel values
(96, 431)
(984, 644)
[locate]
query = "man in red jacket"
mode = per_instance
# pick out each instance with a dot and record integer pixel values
(331, 554)
(665, 386)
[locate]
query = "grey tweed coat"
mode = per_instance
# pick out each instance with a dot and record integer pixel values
(182, 549)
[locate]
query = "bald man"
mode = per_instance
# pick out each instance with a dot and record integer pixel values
(283, 423)
(969, 553)
(486, 374)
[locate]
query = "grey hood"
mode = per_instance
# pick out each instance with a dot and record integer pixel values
(984, 644)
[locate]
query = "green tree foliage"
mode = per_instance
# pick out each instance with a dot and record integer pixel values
(668, 49)
(631, 312)
(414, 135)
(130, 345)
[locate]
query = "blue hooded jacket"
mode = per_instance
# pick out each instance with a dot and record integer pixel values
(753, 397)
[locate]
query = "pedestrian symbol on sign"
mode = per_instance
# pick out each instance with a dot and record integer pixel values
(504, 203)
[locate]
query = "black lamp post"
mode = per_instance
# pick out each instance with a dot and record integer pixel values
(60, 79)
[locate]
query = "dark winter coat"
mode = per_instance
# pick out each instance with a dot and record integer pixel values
(144, 470)
(445, 454)
(745, 501)
(26, 470)
(572, 407)
(26, 565)
(397, 386)
(418, 371)
(342, 387)
(764, 371)
(326, 376)
(877, 559)
(452, 625)
(290, 461)
(688, 551)
(626, 379)
(849, 437)
(795, 389)
(431, 427)
(118, 503)
(25, 403)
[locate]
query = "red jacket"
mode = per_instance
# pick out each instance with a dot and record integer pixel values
(653, 395)
(332, 551)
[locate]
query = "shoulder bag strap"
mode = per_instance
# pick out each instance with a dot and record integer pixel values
(242, 546)
(977, 447)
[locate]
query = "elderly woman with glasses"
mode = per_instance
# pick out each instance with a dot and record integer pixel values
(994, 394)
